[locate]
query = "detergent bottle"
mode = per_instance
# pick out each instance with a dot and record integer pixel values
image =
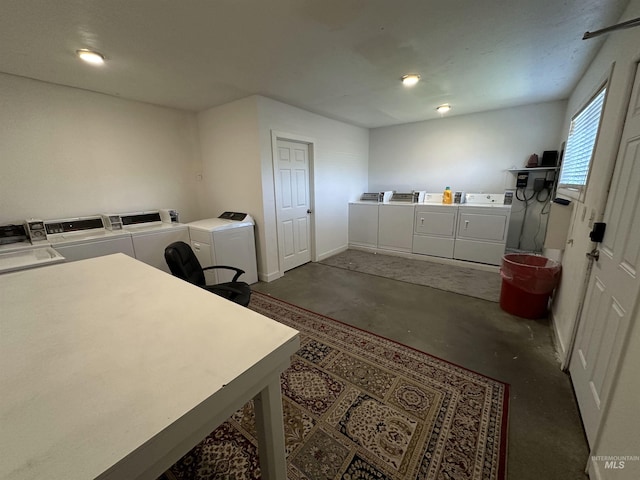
(447, 197)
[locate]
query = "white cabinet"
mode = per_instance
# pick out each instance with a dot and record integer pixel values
(395, 226)
(481, 235)
(434, 230)
(363, 224)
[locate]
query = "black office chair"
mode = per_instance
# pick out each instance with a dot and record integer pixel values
(184, 264)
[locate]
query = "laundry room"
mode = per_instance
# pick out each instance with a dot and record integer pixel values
(136, 157)
(264, 171)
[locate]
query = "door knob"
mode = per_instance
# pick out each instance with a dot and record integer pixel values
(308, 210)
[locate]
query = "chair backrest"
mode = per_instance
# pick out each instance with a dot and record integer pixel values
(183, 263)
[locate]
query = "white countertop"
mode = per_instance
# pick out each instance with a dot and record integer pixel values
(99, 358)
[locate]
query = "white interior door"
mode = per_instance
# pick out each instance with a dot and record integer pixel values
(293, 204)
(613, 284)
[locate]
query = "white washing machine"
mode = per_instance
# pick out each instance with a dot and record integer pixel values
(483, 225)
(226, 240)
(395, 223)
(18, 253)
(151, 232)
(363, 224)
(86, 237)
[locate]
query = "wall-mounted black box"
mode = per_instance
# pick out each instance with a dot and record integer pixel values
(549, 158)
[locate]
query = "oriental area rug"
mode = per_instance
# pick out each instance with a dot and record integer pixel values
(359, 406)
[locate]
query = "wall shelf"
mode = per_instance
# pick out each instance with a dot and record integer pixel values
(525, 169)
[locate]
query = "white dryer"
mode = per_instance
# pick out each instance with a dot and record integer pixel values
(151, 232)
(85, 237)
(435, 226)
(483, 225)
(226, 240)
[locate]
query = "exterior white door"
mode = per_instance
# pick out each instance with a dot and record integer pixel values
(293, 204)
(614, 284)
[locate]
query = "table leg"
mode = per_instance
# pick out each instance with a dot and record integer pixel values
(270, 430)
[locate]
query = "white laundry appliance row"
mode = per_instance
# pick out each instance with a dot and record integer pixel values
(141, 235)
(226, 240)
(474, 231)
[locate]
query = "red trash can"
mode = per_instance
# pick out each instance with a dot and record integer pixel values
(527, 283)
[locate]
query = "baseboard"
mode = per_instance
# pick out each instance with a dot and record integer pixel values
(558, 345)
(429, 258)
(331, 253)
(269, 277)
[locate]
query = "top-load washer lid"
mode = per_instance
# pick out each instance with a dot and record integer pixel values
(223, 222)
(29, 258)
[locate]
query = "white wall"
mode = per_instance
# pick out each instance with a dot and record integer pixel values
(620, 51)
(470, 153)
(231, 177)
(339, 174)
(235, 142)
(66, 152)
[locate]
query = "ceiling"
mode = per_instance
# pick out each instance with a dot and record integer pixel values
(339, 58)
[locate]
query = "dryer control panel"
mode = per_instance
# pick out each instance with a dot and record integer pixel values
(237, 216)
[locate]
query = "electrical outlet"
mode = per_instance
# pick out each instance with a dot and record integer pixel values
(548, 184)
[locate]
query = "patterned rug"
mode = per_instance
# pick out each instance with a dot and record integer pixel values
(452, 278)
(359, 406)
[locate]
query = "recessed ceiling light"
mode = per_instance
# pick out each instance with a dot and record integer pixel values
(410, 79)
(444, 108)
(90, 56)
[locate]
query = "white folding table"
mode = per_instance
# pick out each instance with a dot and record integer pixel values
(112, 369)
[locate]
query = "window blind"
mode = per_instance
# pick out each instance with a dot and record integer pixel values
(582, 138)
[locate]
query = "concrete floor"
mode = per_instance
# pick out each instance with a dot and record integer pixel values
(546, 439)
